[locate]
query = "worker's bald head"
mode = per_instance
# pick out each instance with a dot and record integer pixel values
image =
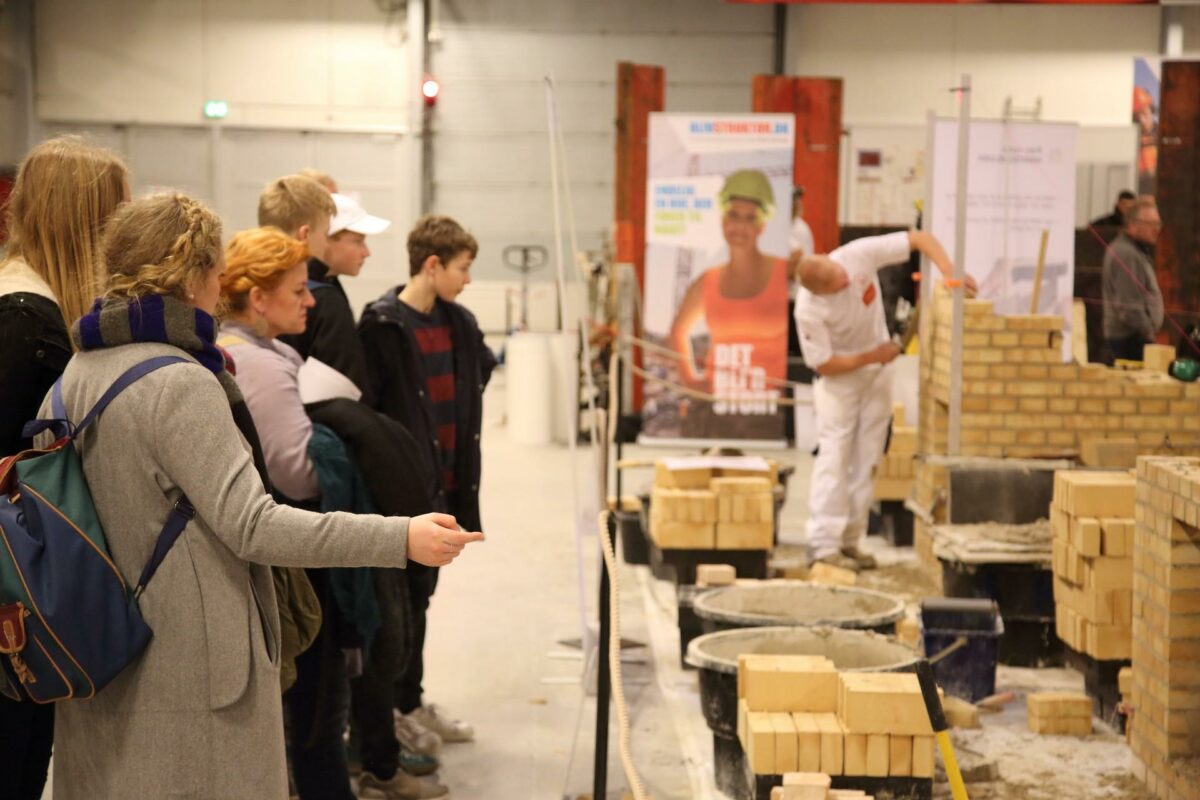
(822, 275)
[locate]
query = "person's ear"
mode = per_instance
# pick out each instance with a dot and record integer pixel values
(302, 233)
(257, 298)
(430, 265)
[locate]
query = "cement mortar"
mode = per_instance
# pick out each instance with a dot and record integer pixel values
(849, 650)
(799, 603)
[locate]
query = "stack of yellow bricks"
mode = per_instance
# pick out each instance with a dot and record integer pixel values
(814, 786)
(709, 509)
(1060, 713)
(798, 713)
(894, 473)
(1020, 401)
(1093, 521)
(1166, 627)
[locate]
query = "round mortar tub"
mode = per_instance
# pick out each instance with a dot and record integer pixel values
(715, 657)
(797, 603)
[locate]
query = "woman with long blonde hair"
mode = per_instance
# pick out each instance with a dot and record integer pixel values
(65, 191)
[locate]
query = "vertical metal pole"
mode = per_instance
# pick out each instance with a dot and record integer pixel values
(960, 269)
(603, 678)
(779, 61)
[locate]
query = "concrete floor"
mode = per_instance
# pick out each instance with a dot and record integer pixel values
(494, 654)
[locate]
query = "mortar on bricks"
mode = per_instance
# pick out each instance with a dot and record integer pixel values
(715, 656)
(797, 603)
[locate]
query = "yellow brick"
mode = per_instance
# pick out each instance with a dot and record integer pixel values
(786, 748)
(900, 762)
(760, 744)
(923, 757)
(833, 736)
(878, 755)
(1005, 339)
(855, 761)
(888, 703)
(808, 742)
(789, 683)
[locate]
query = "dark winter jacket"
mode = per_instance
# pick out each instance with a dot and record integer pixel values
(34, 350)
(329, 335)
(397, 383)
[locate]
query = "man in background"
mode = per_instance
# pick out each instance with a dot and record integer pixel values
(1116, 219)
(1133, 304)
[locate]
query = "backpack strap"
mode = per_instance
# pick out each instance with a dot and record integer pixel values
(177, 520)
(183, 512)
(126, 379)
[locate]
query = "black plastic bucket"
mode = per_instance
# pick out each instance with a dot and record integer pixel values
(971, 646)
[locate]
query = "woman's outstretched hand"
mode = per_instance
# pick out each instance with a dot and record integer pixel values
(435, 540)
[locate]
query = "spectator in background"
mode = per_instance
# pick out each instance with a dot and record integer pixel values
(428, 367)
(1133, 303)
(64, 192)
(1116, 219)
(323, 178)
(800, 241)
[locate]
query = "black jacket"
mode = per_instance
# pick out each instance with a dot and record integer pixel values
(34, 351)
(397, 377)
(385, 453)
(329, 335)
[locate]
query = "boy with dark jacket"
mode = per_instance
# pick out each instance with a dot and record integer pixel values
(427, 367)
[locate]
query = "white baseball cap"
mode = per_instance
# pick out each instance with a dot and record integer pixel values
(353, 217)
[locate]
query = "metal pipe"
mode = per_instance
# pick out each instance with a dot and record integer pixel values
(781, 13)
(963, 91)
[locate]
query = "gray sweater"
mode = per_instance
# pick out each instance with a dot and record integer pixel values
(1130, 310)
(198, 714)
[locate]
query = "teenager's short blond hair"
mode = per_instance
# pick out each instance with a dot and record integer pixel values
(437, 236)
(161, 244)
(293, 201)
(65, 191)
(258, 257)
(323, 178)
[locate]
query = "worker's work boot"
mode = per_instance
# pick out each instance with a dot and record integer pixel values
(863, 560)
(840, 561)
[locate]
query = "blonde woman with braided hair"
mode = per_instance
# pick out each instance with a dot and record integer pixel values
(199, 713)
(64, 192)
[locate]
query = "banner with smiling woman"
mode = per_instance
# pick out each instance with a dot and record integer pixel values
(718, 201)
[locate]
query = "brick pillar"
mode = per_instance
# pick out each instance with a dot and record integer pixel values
(1166, 627)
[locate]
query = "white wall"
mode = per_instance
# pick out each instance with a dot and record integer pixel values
(899, 61)
(492, 166)
(308, 64)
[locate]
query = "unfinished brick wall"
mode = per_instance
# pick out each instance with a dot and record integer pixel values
(1020, 401)
(1166, 627)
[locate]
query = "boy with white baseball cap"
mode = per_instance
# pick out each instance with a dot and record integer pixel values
(330, 336)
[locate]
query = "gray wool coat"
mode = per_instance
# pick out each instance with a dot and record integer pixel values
(198, 715)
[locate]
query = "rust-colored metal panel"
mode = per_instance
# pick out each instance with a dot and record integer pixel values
(817, 105)
(640, 90)
(1178, 191)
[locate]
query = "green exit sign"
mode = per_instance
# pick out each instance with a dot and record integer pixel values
(216, 109)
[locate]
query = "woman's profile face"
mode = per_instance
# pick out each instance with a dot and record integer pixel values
(742, 224)
(206, 296)
(285, 308)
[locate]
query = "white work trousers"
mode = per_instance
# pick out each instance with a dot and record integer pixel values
(852, 410)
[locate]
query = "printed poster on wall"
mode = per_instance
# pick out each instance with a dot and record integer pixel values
(718, 212)
(1020, 181)
(1147, 89)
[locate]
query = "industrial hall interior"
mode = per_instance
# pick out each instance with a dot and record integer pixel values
(581, 400)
